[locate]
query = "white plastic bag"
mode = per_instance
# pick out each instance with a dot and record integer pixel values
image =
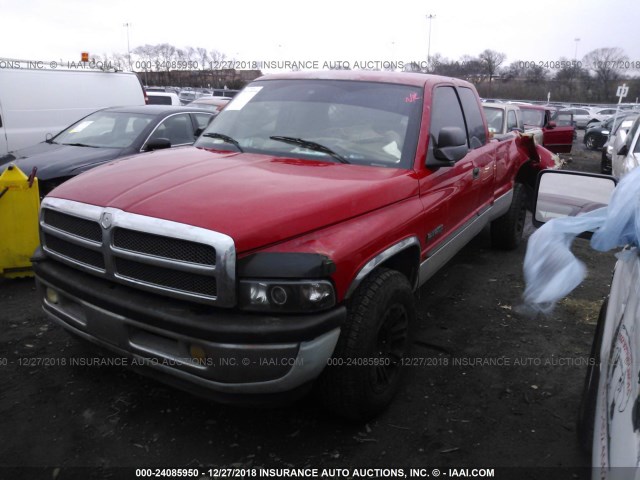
(551, 271)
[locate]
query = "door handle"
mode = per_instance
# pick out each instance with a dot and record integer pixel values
(476, 172)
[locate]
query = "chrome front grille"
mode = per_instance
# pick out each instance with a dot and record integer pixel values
(73, 225)
(165, 247)
(74, 252)
(157, 255)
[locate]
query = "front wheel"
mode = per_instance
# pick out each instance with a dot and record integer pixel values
(506, 231)
(365, 371)
(590, 142)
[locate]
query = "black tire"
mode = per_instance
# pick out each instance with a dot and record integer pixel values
(587, 410)
(506, 231)
(590, 142)
(605, 165)
(377, 330)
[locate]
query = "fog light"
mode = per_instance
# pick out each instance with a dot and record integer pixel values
(52, 296)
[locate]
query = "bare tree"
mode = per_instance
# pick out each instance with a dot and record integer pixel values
(216, 58)
(536, 74)
(412, 67)
(203, 57)
(607, 65)
(491, 61)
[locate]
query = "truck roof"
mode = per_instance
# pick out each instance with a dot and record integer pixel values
(403, 78)
(538, 107)
(501, 106)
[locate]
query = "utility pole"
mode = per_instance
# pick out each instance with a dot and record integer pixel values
(127, 25)
(429, 17)
(575, 55)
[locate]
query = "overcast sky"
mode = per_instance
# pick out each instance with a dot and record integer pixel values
(336, 30)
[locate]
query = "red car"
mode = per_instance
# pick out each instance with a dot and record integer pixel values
(556, 136)
(283, 249)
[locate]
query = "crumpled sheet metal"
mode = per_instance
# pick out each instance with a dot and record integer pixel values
(551, 271)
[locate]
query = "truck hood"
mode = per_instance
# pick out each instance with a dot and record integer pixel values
(54, 160)
(256, 199)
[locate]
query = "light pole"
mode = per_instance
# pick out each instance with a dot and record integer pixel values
(127, 25)
(575, 55)
(429, 17)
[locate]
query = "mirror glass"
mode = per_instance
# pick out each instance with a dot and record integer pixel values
(562, 194)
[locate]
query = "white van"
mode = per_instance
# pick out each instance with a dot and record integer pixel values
(40, 100)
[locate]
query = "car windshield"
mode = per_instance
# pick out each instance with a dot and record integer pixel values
(105, 129)
(624, 123)
(533, 118)
(354, 122)
(495, 117)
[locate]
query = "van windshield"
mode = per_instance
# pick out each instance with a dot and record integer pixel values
(533, 118)
(366, 123)
(105, 129)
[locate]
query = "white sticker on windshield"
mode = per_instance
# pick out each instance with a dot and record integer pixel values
(81, 126)
(244, 97)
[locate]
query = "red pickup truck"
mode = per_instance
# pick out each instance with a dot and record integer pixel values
(283, 249)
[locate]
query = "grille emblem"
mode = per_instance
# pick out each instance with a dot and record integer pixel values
(106, 220)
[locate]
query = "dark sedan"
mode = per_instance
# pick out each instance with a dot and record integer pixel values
(597, 133)
(106, 135)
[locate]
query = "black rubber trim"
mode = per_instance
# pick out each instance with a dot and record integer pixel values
(198, 321)
(285, 265)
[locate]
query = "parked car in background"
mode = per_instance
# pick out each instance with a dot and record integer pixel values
(626, 151)
(214, 104)
(599, 114)
(502, 119)
(35, 103)
(188, 96)
(620, 129)
(597, 133)
(554, 137)
(106, 135)
(225, 92)
(584, 116)
(162, 98)
(581, 116)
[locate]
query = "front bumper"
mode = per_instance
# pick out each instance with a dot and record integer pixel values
(235, 353)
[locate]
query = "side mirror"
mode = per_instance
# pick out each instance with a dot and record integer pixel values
(624, 149)
(563, 193)
(157, 144)
(451, 145)
(551, 124)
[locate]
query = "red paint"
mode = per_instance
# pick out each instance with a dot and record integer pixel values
(347, 212)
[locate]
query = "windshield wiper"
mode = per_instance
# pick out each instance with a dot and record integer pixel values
(309, 145)
(79, 145)
(224, 137)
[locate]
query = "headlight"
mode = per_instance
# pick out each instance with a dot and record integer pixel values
(286, 296)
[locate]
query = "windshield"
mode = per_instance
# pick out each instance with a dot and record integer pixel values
(533, 118)
(105, 129)
(363, 123)
(495, 118)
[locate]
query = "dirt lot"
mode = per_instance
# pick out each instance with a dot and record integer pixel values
(454, 411)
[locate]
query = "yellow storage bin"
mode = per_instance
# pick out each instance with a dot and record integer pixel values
(19, 203)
